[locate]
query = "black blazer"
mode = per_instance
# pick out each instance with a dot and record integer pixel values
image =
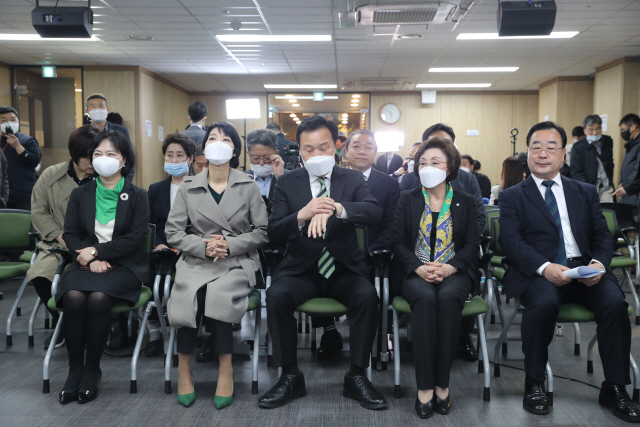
(293, 193)
(129, 233)
(529, 236)
(484, 183)
(159, 207)
(465, 236)
(584, 161)
(381, 164)
(386, 191)
(272, 188)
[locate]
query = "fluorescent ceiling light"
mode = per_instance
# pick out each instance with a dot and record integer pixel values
(304, 97)
(295, 105)
(240, 38)
(354, 105)
(452, 85)
(293, 100)
(292, 115)
(78, 90)
(32, 37)
(243, 108)
(345, 115)
(474, 70)
(495, 36)
(300, 87)
(355, 96)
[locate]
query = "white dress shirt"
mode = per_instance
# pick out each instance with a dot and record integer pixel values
(172, 194)
(365, 173)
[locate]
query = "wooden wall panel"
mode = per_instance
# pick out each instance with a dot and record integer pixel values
(607, 99)
(575, 102)
(548, 103)
(631, 89)
(5, 87)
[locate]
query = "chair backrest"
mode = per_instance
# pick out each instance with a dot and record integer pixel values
(624, 213)
(495, 233)
(612, 222)
(492, 213)
(15, 226)
(150, 241)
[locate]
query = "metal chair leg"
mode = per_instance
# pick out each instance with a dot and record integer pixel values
(549, 384)
(632, 288)
(313, 340)
(590, 353)
(396, 356)
(32, 319)
(256, 351)
(15, 310)
(636, 380)
(136, 351)
(503, 337)
(47, 357)
(168, 362)
(484, 354)
(384, 355)
(576, 346)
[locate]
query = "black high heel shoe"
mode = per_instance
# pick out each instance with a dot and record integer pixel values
(442, 406)
(67, 396)
(86, 396)
(424, 410)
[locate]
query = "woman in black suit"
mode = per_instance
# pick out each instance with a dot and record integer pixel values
(105, 227)
(437, 244)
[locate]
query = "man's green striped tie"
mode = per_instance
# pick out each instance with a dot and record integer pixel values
(326, 264)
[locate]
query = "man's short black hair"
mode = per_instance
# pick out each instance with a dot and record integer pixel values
(578, 132)
(435, 128)
(629, 120)
(7, 110)
(476, 165)
(114, 118)
(274, 127)
(547, 126)
(177, 138)
(468, 157)
(97, 96)
(197, 111)
(81, 142)
(121, 144)
(313, 123)
(228, 129)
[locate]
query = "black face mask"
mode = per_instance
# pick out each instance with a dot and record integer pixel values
(626, 134)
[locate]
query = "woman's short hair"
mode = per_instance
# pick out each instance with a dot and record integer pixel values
(227, 129)
(183, 140)
(453, 156)
(512, 172)
(81, 142)
(121, 144)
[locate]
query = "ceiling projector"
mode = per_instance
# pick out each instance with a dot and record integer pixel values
(63, 22)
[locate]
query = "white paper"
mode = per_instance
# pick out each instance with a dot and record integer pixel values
(148, 128)
(473, 132)
(583, 272)
(605, 120)
(160, 133)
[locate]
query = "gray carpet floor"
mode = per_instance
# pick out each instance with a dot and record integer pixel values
(22, 402)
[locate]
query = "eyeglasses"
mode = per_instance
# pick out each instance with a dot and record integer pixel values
(549, 150)
(435, 164)
(256, 159)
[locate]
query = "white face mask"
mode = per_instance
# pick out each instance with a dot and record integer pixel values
(15, 127)
(262, 171)
(319, 165)
(462, 168)
(98, 115)
(218, 153)
(410, 166)
(593, 138)
(38, 167)
(430, 176)
(106, 166)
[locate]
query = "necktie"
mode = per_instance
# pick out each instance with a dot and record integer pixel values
(550, 200)
(326, 264)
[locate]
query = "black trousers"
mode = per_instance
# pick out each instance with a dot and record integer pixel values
(436, 312)
(542, 300)
(221, 332)
(42, 286)
(354, 291)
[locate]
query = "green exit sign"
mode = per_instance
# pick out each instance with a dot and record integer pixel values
(318, 96)
(49, 71)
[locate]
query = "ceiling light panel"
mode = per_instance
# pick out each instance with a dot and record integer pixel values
(474, 70)
(248, 38)
(452, 85)
(319, 86)
(495, 36)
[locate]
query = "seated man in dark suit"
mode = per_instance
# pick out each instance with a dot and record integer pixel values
(388, 163)
(360, 150)
(315, 210)
(549, 224)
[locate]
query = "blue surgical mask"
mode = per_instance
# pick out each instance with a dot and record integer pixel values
(593, 138)
(176, 169)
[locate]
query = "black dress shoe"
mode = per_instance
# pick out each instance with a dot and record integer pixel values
(615, 397)
(207, 354)
(466, 349)
(535, 397)
(330, 345)
(424, 410)
(67, 396)
(86, 396)
(287, 388)
(359, 388)
(442, 406)
(154, 348)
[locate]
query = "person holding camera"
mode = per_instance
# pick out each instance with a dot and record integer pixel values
(22, 154)
(4, 181)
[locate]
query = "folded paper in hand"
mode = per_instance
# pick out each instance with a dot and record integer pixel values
(583, 272)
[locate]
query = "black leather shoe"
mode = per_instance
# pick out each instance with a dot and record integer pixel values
(442, 406)
(154, 348)
(67, 396)
(615, 397)
(206, 355)
(466, 349)
(330, 345)
(535, 397)
(359, 388)
(424, 410)
(86, 396)
(287, 388)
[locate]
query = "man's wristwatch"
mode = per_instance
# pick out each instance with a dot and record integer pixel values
(94, 253)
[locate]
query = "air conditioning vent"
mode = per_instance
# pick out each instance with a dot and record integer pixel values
(404, 16)
(404, 13)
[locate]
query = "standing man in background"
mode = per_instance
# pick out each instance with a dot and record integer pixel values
(197, 116)
(22, 154)
(4, 181)
(629, 186)
(484, 182)
(283, 142)
(389, 163)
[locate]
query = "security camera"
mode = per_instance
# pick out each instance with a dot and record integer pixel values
(236, 25)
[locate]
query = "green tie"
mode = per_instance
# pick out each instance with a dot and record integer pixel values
(326, 264)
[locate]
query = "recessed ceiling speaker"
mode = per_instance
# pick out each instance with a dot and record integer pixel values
(63, 22)
(526, 18)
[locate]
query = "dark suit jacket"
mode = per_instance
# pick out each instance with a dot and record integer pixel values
(283, 142)
(272, 188)
(129, 233)
(467, 241)
(386, 191)
(584, 161)
(529, 236)
(159, 207)
(381, 164)
(484, 183)
(293, 193)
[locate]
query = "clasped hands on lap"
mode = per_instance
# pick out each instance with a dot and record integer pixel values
(217, 247)
(555, 274)
(435, 272)
(318, 211)
(85, 257)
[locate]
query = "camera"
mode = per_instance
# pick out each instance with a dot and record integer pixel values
(291, 157)
(8, 130)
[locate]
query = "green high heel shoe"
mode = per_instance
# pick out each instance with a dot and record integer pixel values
(222, 402)
(188, 399)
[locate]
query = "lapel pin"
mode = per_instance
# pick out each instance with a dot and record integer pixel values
(457, 204)
(124, 197)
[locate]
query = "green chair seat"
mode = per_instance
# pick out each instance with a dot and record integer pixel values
(9, 270)
(496, 260)
(498, 273)
(26, 257)
(472, 308)
(120, 307)
(323, 306)
(255, 299)
(570, 313)
(622, 262)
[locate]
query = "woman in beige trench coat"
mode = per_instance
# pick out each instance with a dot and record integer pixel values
(217, 268)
